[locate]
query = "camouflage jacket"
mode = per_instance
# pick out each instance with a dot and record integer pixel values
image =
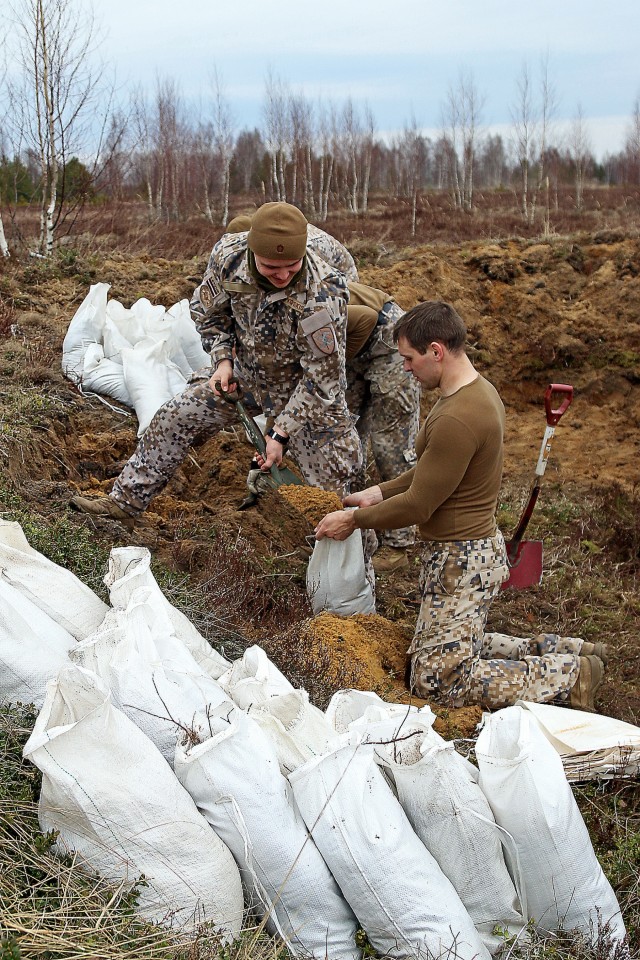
(288, 345)
(331, 250)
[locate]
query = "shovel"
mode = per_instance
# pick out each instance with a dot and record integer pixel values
(525, 556)
(279, 475)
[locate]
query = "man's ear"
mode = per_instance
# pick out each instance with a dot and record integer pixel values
(437, 349)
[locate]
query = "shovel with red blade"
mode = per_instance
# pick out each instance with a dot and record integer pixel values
(525, 556)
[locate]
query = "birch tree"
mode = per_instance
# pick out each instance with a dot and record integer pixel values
(580, 154)
(57, 95)
(461, 117)
(224, 141)
(531, 118)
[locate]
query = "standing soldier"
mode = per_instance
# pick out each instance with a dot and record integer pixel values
(273, 314)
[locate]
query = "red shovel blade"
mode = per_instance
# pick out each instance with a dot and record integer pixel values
(526, 569)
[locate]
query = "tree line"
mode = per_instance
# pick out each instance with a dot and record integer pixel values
(65, 143)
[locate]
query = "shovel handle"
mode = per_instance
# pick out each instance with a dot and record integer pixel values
(553, 415)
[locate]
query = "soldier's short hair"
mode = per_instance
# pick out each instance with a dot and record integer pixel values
(433, 320)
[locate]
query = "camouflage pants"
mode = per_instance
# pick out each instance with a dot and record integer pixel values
(454, 660)
(329, 462)
(386, 401)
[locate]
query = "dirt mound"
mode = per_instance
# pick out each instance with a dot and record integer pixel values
(537, 312)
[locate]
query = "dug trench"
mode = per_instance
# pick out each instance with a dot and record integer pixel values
(537, 313)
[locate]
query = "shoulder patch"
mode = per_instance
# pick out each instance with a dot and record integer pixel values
(325, 340)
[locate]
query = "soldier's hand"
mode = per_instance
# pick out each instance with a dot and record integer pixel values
(275, 453)
(223, 374)
(364, 498)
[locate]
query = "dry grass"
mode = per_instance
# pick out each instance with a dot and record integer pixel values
(49, 908)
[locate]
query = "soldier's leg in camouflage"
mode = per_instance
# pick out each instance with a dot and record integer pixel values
(459, 582)
(192, 416)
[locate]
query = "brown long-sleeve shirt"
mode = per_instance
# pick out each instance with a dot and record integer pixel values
(452, 492)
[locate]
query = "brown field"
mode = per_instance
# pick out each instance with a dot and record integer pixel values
(561, 308)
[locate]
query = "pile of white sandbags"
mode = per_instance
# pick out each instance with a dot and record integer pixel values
(225, 788)
(141, 356)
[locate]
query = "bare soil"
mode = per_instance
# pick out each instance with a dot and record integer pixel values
(538, 312)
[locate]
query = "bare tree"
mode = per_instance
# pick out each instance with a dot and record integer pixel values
(57, 95)
(411, 150)
(580, 154)
(224, 141)
(460, 129)
(277, 132)
(632, 144)
(531, 121)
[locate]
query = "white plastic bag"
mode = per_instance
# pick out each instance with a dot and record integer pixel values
(253, 679)
(522, 777)
(151, 378)
(336, 577)
(438, 790)
(235, 781)
(114, 800)
(130, 570)
(297, 729)
(53, 589)
(404, 902)
(348, 706)
(86, 328)
(104, 376)
(33, 648)
(152, 676)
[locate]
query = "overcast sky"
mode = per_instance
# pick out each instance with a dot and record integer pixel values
(399, 56)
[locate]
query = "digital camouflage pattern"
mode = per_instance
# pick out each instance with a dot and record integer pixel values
(386, 400)
(454, 660)
(332, 252)
(288, 351)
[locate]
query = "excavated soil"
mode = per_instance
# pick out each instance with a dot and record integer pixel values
(538, 312)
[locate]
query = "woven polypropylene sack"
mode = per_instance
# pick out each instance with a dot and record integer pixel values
(296, 728)
(112, 798)
(130, 570)
(522, 777)
(33, 648)
(336, 577)
(152, 676)
(52, 588)
(400, 895)
(439, 792)
(235, 781)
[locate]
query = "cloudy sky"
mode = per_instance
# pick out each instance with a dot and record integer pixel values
(398, 56)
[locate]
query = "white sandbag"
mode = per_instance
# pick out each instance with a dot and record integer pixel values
(114, 340)
(33, 648)
(86, 327)
(522, 777)
(438, 790)
(54, 590)
(114, 800)
(152, 676)
(253, 679)
(297, 729)
(404, 902)
(150, 377)
(129, 570)
(236, 784)
(591, 746)
(104, 376)
(348, 706)
(185, 331)
(336, 577)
